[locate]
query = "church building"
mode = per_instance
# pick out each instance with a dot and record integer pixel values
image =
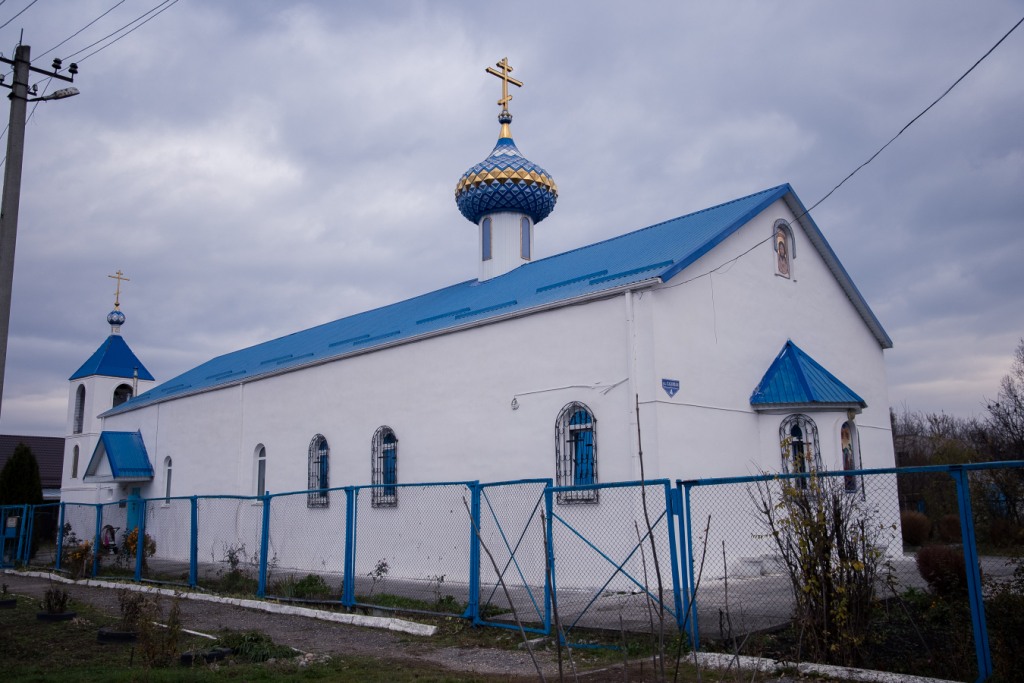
(727, 341)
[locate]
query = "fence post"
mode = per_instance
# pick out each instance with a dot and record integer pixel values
(60, 536)
(689, 589)
(193, 542)
(261, 589)
(673, 509)
(96, 541)
(550, 586)
(21, 554)
(348, 593)
(974, 588)
(473, 608)
(140, 539)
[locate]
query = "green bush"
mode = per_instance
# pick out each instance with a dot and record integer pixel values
(943, 567)
(916, 527)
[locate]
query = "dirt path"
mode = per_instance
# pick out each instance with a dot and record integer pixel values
(308, 634)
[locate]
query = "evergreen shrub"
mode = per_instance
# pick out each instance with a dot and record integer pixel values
(916, 527)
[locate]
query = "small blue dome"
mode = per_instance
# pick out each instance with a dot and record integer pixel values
(115, 317)
(506, 181)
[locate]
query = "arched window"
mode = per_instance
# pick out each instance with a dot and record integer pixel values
(74, 463)
(122, 394)
(79, 409)
(167, 479)
(524, 238)
(785, 249)
(384, 467)
(319, 469)
(850, 442)
(576, 452)
(485, 240)
(261, 470)
(798, 436)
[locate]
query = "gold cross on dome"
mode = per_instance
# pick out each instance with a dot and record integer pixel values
(119, 276)
(505, 80)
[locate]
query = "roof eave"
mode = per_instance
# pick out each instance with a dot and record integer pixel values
(140, 402)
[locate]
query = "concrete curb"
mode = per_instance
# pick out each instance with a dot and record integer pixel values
(715, 660)
(387, 623)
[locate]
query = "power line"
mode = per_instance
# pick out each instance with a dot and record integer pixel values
(870, 159)
(4, 25)
(43, 54)
(165, 5)
(923, 112)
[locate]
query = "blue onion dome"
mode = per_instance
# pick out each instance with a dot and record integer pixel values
(506, 181)
(115, 318)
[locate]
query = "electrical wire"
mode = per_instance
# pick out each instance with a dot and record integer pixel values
(4, 25)
(870, 159)
(162, 7)
(43, 54)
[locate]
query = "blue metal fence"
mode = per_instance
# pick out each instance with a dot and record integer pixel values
(695, 556)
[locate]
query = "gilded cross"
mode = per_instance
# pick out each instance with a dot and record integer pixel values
(117, 295)
(505, 80)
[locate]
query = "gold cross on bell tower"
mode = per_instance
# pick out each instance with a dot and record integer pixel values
(119, 276)
(505, 80)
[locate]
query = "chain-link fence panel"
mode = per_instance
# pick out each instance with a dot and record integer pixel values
(78, 539)
(513, 538)
(413, 552)
(167, 539)
(44, 522)
(615, 563)
(306, 547)
(111, 561)
(228, 538)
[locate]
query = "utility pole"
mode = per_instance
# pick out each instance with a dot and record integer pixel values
(11, 199)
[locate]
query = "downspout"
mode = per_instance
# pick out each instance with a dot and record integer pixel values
(631, 412)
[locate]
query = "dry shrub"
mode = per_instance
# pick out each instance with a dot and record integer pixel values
(949, 528)
(943, 567)
(916, 527)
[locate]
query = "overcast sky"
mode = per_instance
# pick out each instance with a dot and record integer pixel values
(260, 167)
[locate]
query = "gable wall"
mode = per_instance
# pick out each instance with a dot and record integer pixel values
(718, 335)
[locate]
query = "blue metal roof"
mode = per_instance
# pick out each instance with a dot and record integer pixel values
(655, 253)
(126, 453)
(113, 359)
(794, 378)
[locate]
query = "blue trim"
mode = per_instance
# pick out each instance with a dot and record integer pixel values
(348, 595)
(140, 540)
(60, 537)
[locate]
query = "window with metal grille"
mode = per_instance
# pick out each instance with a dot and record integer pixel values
(798, 437)
(168, 468)
(319, 469)
(384, 468)
(74, 464)
(576, 453)
(79, 409)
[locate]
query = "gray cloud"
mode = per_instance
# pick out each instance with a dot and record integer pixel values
(263, 167)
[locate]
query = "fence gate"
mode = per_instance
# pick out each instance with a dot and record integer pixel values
(512, 538)
(611, 570)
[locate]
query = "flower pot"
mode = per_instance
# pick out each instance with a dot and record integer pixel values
(55, 616)
(110, 634)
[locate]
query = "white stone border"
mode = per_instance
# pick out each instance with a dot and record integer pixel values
(387, 623)
(716, 660)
